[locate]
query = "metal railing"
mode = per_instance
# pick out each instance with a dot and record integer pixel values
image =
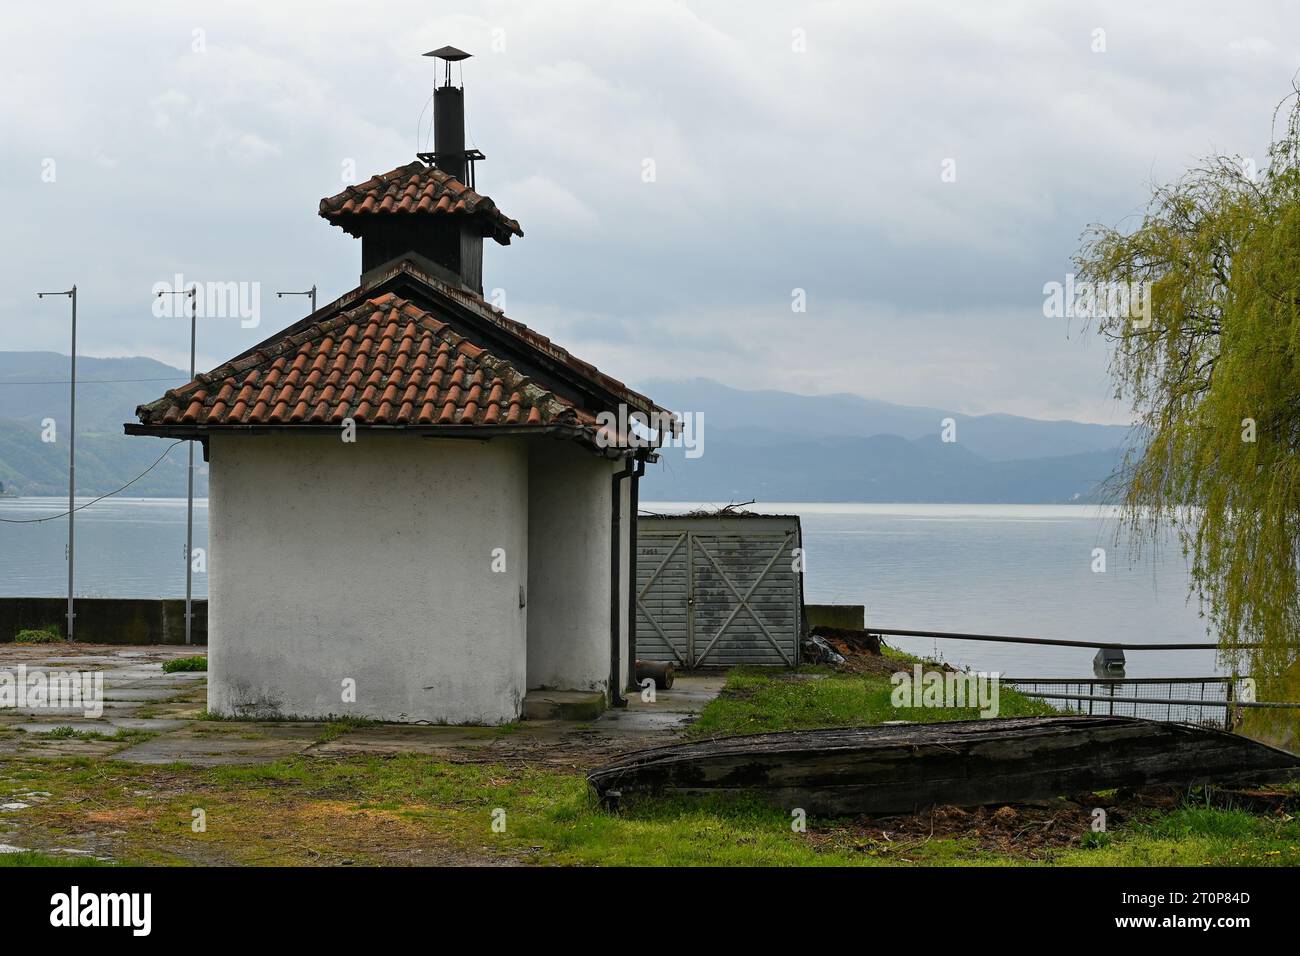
(1055, 642)
(1216, 702)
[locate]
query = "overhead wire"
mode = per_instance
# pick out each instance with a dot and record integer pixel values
(101, 497)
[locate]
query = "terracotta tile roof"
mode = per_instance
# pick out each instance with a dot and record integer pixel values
(544, 344)
(416, 189)
(385, 362)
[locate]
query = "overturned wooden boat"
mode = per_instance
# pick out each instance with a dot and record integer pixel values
(904, 768)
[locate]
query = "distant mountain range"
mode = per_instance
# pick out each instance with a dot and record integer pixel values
(767, 445)
(34, 387)
(778, 446)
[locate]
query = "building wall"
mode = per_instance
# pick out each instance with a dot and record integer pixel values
(372, 562)
(568, 567)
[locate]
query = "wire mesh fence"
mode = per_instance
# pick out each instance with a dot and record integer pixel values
(1203, 701)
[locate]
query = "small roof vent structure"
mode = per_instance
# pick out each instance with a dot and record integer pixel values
(427, 208)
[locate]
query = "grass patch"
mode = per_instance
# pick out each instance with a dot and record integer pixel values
(757, 700)
(415, 809)
(196, 663)
(122, 735)
(337, 728)
(1192, 835)
(40, 635)
(408, 808)
(35, 858)
(403, 808)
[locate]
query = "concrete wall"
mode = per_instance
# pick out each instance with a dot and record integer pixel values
(568, 567)
(369, 561)
(852, 616)
(107, 620)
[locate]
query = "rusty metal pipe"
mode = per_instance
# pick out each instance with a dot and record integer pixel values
(661, 672)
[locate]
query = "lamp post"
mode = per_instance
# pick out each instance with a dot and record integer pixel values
(193, 294)
(72, 452)
(310, 292)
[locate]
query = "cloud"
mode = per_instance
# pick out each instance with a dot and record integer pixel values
(778, 166)
(868, 348)
(553, 209)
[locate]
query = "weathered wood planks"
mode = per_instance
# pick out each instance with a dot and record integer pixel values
(899, 769)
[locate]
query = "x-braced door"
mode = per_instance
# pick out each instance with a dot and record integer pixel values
(717, 599)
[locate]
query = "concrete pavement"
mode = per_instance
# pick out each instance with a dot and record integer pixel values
(155, 718)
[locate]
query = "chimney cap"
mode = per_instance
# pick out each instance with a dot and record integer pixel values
(449, 53)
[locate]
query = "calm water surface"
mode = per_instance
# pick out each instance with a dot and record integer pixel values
(1022, 570)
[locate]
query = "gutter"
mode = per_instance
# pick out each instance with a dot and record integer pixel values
(634, 507)
(616, 697)
(583, 434)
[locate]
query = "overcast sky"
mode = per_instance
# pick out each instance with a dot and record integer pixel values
(795, 146)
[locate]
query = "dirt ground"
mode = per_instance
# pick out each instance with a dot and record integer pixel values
(1028, 831)
(153, 759)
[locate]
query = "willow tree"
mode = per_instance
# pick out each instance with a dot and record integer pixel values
(1211, 370)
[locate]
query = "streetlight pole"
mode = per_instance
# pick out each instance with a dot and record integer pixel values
(193, 294)
(189, 493)
(72, 453)
(310, 292)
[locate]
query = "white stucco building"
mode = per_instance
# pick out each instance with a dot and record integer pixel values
(414, 512)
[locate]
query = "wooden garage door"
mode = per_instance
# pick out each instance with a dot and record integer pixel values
(717, 599)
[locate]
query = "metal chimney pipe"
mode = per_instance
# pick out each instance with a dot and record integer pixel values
(449, 130)
(449, 117)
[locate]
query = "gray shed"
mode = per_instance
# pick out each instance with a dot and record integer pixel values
(719, 589)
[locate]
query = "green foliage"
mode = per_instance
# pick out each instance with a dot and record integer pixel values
(1214, 383)
(44, 635)
(121, 735)
(33, 858)
(337, 728)
(108, 391)
(759, 700)
(196, 663)
(1194, 836)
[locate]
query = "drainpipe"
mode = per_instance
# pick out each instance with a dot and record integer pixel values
(635, 507)
(615, 603)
